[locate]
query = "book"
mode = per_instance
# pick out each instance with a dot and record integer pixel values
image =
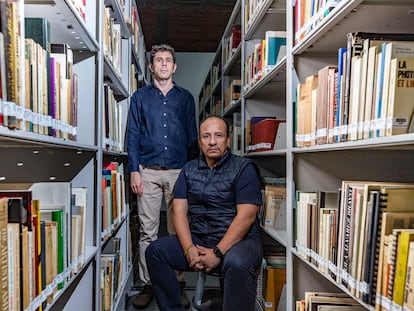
(324, 108)
(79, 208)
(274, 41)
(370, 90)
(3, 82)
(51, 256)
(10, 28)
(390, 50)
(409, 282)
(38, 29)
(4, 261)
(340, 126)
(56, 218)
(354, 98)
(309, 110)
(25, 256)
(400, 105)
(14, 284)
(313, 300)
(406, 237)
(370, 243)
(390, 221)
(275, 196)
(327, 227)
(42, 262)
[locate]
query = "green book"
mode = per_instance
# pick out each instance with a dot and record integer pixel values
(58, 217)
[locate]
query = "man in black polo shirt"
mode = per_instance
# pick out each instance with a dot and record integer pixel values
(215, 213)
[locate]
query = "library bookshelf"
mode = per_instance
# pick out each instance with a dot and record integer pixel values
(311, 157)
(62, 132)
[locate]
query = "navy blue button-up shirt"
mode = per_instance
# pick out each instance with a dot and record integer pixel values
(162, 130)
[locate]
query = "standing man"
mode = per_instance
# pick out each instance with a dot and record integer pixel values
(215, 212)
(162, 137)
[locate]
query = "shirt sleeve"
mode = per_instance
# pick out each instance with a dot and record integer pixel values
(247, 186)
(133, 135)
(180, 188)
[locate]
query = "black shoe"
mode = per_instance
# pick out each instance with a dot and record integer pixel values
(184, 298)
(144, 298)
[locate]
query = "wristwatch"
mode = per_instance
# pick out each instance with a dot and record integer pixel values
(218, 253)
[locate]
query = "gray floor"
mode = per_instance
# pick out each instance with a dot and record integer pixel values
(212, 292)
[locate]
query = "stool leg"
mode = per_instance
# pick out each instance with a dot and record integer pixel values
(198, 304)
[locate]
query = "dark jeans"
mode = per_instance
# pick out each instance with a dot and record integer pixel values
(238, 268)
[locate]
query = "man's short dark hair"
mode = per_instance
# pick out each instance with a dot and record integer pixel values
(161, 48)
(220, 118)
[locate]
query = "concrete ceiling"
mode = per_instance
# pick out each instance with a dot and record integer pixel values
(187, 25)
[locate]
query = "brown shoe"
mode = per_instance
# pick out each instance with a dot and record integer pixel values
(144, 298)
(184, 298)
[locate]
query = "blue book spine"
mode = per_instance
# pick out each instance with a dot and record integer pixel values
(381, 85)
(339, 111)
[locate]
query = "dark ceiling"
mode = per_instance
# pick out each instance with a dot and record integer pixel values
(187, 25)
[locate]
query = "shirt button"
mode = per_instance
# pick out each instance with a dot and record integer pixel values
(165, 136)
(165, 148)
(165, 125)
(164, 114)
(165, 103)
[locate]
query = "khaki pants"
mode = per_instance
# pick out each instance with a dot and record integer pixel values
(158, 184)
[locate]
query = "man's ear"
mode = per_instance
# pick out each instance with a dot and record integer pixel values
(174, 68)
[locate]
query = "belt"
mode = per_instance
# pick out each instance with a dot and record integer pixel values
(156, 167)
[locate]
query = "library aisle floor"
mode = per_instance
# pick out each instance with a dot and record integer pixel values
(212, 287)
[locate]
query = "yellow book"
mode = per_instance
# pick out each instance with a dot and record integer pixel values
(409, 282)
(401, 266)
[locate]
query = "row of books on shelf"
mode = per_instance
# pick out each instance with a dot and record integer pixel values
(110, 274)
(232, 93)
(231, 43)
(327, 301)
(236, 133)
(368, 94)
(308, 14)
(215, 73)
(265, 133)
(362, 237)
(113, 199)
(112, 129)
(251, 10)
(43, 241)
(112, 41)
(216, 106)
(265, 54)
(38, 91)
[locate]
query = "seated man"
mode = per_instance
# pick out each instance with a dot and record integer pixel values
(216, 202)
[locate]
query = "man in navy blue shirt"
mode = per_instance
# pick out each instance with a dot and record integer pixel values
(215, 212)
(161, 138)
